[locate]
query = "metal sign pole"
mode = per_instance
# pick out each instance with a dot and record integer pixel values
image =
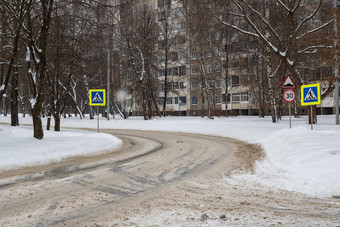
(290, 116)
(98, 119)
(336, 65)
(311, 117)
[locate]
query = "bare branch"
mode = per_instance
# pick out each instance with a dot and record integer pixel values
(315, 29)
(308, 17)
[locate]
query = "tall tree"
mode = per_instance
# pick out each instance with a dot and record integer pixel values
(37, 24)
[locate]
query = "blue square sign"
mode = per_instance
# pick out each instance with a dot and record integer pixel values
(310, 94)
(97, 97)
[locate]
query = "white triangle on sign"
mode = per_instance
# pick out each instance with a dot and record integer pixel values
(288, 83)
(97, 98)
(310, 95)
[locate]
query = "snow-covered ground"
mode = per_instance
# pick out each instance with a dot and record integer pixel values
(296, 159)
(19, 148)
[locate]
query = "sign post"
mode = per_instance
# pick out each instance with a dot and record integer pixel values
(310, 95)
(97, 97)
(289, 96)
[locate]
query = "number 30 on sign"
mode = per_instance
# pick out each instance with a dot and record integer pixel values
(289, 95)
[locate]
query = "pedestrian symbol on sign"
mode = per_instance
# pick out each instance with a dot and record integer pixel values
(97, 98)
(310, 96)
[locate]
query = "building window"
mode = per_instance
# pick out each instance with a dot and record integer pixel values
(182, 85)
(217, 52)
(183, 100)
(174, 56)
(235, 80)
(169, 72)
(193, 100)
(176, 100)
(175, 71)
(244, 97)
(182, 70)
(228, 98)
(168, 101)
(218, 67)
(194, 70)
(194, 55)
(161, 73)
(235, 97)
(138, 103)
(218, 99)
(193, 86)
(175, 84)
(169, 86)
(209, 69)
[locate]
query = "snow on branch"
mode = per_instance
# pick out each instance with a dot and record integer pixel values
(240, 30)
(313, 48)
(315, 29)
(263, 19)
(284, 6)
(308, 17)
(258, 32)
(143, 63)
(276, 70)
(231, 25)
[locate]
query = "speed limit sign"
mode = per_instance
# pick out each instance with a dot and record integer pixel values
(289, 95)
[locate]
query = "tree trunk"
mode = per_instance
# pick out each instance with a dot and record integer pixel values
(37, 124)
(14, 100)
(48, 126)
(57, 122)
(202, 102)
(166, 66)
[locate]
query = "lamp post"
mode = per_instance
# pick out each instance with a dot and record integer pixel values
(336, 69)
(108, 86)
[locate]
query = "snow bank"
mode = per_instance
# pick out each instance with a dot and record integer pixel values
(19, 148)
(296, 159)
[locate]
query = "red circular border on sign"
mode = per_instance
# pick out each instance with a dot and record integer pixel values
(286, 92)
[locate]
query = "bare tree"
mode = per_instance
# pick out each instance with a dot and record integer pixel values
(37, 22)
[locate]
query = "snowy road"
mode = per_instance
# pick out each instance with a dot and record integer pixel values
(156, 178)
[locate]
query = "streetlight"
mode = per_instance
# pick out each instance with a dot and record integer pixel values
(108, 86)
(336, 69)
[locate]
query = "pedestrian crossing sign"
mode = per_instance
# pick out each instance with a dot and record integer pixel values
(97, 97)
(310, 94)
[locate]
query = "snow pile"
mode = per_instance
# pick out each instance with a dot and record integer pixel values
(19, 148)
(296, 159)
